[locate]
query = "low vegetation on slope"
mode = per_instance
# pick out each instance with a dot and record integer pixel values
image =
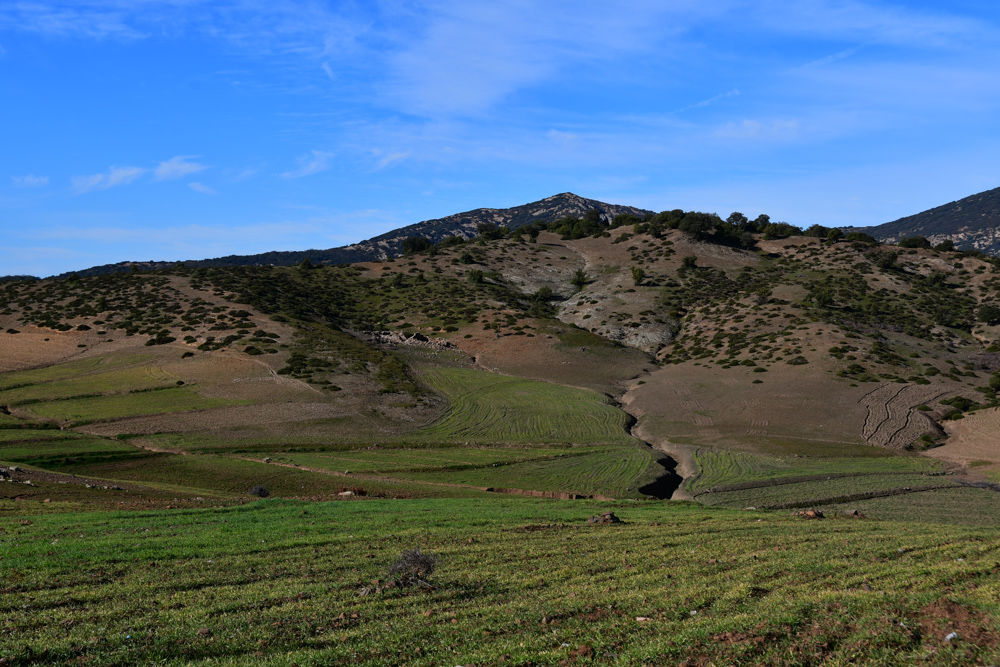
(489, 408)
(517, 581)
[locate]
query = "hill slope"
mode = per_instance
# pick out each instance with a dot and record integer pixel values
(463, 225)
(972, 223)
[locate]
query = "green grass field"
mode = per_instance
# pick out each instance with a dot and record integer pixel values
(489, 408)
(819, 492)
(718, 468)
(519, 581)
(230, 477)
(71, 369)
(609, 471)
(120, 380)
(53, 453)
(22, 434)
(422, 459)
(174, 399)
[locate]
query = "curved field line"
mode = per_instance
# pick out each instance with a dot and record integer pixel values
(492, 408)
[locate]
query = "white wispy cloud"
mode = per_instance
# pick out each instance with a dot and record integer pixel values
(832, 58)
(755, 129)
(461, 58)
(202, 188)
(176, 167)
(386, 160)
(115, 176)
(872, 22)
(704, 103)
(30, 181)
(313, 163)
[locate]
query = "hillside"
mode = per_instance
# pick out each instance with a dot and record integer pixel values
(972, 223)
(462, 225)
(224, 462)
(787, 360)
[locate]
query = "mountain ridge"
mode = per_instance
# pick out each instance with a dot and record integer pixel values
(464, 225)
(972, 223)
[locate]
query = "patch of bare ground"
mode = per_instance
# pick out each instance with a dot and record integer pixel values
(945, 622)
(791, 407)
(974, 438)
(543, 357)
(35, 347)
(892, 419)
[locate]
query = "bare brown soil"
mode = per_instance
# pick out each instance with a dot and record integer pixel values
(35, 347)
(974, 438)
(543, 357)
(705, 406)
(892, 419)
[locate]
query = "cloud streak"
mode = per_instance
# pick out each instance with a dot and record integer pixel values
(114, 177)
(313, 163)
(202, 188)
(30, 181)
(177, 167)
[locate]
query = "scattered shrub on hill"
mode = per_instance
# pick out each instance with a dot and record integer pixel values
(945, 246)
(260, 491)
(914, 242)
(415, 244)
(988, 313)
(413, 568)
(861, 237)
(883, 260)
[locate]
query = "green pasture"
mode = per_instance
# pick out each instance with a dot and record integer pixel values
(719, 468)
(519, 581)
(23, 434)
(609, 471)
(962, 506)
(115, 381)
(48, 453)
(817, 491)
(175, 399)
(70, 369)
(490, 408)
(228, 476)
(420, 459)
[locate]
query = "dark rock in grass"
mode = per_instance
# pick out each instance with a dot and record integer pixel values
(605, 518)
(260, 491)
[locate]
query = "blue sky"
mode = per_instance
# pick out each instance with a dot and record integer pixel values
(184, 129)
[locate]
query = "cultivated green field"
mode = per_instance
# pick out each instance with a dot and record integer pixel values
(174, 399)
(48, 453)
(422, 459)
(230, 477)
(820, 492)
(609, 471)
(519, 581)
(71, 369)
(489, 408)
(121, 380)
(23, 434)
(719, 468)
